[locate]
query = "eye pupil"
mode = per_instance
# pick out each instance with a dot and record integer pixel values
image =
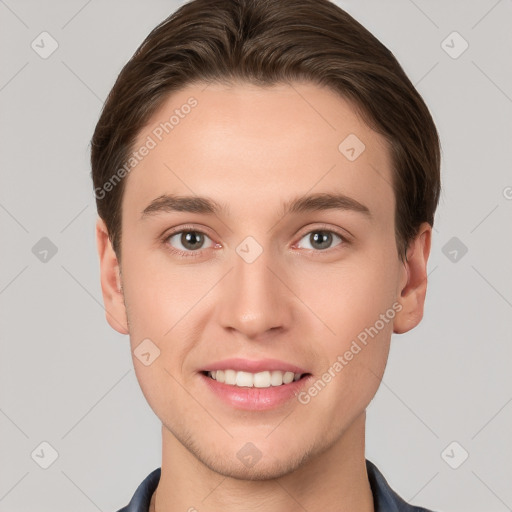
(191, 239)
(321, 237)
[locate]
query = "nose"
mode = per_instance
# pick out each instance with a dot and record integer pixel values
(254, 297)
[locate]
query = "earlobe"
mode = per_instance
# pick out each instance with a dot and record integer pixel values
(414, 289)
(110, 281)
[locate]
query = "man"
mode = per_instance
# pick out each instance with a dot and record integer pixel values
(266, 180)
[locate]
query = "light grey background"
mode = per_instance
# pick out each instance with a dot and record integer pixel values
(66, 377)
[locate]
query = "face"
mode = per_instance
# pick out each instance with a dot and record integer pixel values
(284, 250)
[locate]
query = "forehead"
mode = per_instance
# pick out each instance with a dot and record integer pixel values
(253, 147)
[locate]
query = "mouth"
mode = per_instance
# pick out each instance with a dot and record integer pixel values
(253, 385)
(261, 391)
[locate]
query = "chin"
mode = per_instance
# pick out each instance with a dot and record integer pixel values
(248, 462)
(261, 471)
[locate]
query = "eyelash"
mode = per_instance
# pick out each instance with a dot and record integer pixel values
(198, 253)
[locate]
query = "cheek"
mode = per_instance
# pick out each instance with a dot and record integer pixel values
(350, 296)
(158, 294)
(355, 305)
(167, 394)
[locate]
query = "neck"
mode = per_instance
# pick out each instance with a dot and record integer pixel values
(335, 476)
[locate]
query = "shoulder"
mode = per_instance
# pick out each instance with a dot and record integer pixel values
(384, 497)
(142, 496)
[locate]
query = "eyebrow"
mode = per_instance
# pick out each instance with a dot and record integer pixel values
(168, 203)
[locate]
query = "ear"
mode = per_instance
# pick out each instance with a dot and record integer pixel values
(110, 281)
(413, 285)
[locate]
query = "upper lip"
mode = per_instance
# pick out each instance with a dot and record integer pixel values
(247, 365)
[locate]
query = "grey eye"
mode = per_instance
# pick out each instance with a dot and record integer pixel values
(189, 240)
(320, 239)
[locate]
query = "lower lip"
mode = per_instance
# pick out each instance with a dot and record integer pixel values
(255, 399)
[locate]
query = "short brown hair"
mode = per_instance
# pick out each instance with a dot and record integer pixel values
(265, 42)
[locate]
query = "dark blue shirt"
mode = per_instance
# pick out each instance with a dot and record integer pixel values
(384, 498)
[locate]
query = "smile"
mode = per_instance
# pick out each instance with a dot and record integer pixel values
(263, 379)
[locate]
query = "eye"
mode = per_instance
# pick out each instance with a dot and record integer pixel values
(188, 241)
(321, 239)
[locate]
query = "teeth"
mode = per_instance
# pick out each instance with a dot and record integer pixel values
(258, 380)
(229, 377)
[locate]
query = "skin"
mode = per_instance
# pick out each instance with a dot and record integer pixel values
(252, 149)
